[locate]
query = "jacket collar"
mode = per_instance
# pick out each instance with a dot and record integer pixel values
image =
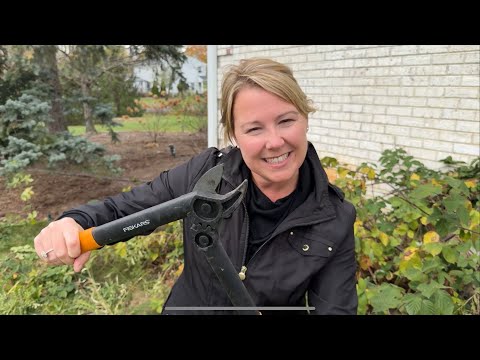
(317, 208)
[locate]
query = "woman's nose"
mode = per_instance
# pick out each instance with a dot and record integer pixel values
(274, 140)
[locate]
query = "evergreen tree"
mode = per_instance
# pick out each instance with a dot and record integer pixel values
(17, 72)
(45, 57)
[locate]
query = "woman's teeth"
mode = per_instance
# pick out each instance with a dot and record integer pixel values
(276, 160)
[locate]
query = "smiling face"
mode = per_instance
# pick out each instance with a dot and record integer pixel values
(271, 134)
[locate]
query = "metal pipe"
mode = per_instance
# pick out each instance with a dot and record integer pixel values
(212, 95)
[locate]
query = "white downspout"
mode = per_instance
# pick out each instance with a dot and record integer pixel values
(212, 95)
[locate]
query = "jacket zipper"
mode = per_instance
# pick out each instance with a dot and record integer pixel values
(242, 274)
(243, 269)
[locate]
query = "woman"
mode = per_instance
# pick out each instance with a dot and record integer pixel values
(292, 239)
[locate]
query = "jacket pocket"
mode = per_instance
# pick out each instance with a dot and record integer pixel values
(308, 246)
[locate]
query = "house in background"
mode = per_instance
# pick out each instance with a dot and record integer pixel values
(194, 71)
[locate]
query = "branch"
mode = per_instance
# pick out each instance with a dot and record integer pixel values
(404, 198)
(448, 237)
(64, 52)
(372, 275)
(118, 63)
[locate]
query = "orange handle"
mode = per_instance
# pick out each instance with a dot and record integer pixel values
(87, 242)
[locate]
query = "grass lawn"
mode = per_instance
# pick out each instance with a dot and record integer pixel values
(150, 122)
(148, 100)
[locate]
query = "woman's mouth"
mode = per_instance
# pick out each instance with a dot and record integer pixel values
(278, 159)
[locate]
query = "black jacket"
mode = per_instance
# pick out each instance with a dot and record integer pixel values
(309, 256)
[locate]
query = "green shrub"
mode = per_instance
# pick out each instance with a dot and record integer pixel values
(418, 247)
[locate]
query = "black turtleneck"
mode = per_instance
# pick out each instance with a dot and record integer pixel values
(265, 215)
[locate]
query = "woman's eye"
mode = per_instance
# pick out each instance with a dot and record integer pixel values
(285, 121)
(253, 129)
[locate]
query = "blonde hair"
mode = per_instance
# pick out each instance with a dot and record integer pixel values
(266, 74)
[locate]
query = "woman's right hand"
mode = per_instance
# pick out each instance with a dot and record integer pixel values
(58, 244)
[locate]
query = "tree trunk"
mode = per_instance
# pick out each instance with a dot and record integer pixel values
(117, 101)
(87, 109)
(47, 58)
(56, 112)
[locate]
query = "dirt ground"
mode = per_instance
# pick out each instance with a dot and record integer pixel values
(141, 160)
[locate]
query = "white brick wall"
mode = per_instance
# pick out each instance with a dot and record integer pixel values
(423, 98)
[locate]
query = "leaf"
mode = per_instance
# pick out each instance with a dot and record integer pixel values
(413, 225)
(396, 202)
(377, 249)
(462, 262)
(363, 169)
(449, 254)
(357, 227)
(409, 252)
(342, 172)
(432, 264)
(371, 174)
(361, 285)
(425, 190)
(462, 214)
(413, 261)
(383, 238)
(27, 194)
(395, 241)
(362, 304)
(435, 216)
(457, 184)
(411, 217)
(414, 305)
(365, 262)
(430, 288)
(431, 236)
(452, 203)
(474, 218)
(331, 174)
(401, 229)
(179, 270)
(470, 184)
(427, 308)
(375, 232)
(386, 297)
(413, 274)
(414, 176)
(477, 276)
(433, 248)
(446, 225)
(443, 303)
(31, 217)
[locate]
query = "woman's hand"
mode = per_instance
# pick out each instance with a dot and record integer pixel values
(58, 244)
